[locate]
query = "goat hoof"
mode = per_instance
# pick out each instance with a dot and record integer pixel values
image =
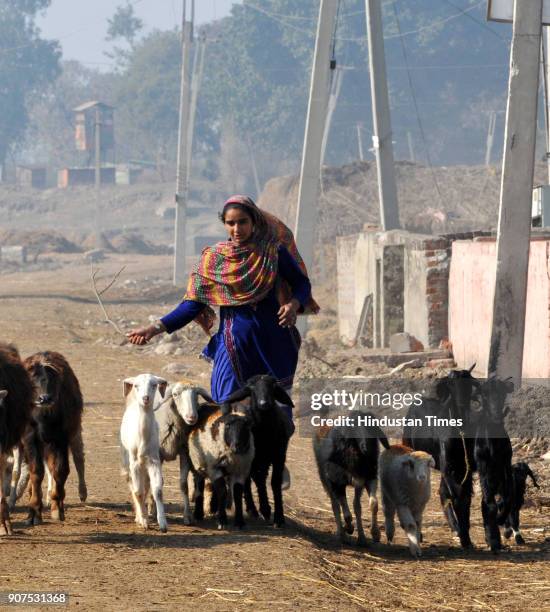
(519, 539)
(375, 534)
(416, 553)
(83, 493)
(362, 542)
(163, 529)
(279, 524)
(508, 532)
(349, 528)
(222, 526)
(57, 515)
(252, 512)
(187, 520)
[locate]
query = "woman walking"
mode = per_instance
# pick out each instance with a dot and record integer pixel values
(260, 283)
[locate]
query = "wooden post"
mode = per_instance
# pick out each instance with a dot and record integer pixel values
(514, 223)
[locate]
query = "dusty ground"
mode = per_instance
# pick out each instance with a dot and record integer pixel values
(104, 562)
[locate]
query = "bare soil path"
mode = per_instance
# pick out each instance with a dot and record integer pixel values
(104, 561)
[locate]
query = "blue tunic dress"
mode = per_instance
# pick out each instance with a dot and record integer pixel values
(250, 340)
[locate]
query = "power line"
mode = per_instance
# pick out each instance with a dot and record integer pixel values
(467, 14)
(413, 95)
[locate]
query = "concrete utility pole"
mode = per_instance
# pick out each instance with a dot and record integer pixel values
(547, 98)
(254, 166)
(490, 137)
(382, 138)
(360, 143)
(308, 192)
(182, 178)
(338, 77)
(410, 144)
(196, 81)
(97, 145)
(514, 223)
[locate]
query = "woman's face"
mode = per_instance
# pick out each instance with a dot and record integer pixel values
(238, 225)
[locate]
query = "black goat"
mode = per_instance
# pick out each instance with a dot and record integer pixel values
(493, 457)
(348, 456)
(271, 429)
(520, 472)
(451, 447)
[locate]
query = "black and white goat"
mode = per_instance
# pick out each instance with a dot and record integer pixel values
(348, 456)
(175, 417)
(272, 430)
(221, 448)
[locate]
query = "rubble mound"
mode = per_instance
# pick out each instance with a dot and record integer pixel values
(36, 242)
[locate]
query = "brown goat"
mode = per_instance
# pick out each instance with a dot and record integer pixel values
(56, 426)
(16, 398)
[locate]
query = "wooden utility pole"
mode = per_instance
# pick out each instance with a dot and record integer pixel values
(308, 192)
(382, 138)
(182, 178)
(490, 137)
(514, 223)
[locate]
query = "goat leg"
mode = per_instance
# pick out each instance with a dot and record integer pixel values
(276, 487)
(251, 509)
(77, 450)
(220, 491)
(238, 498)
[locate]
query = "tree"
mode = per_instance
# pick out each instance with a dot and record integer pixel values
(125, 26)
(27, 64)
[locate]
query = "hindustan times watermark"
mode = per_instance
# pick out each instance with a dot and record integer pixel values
(403, 405)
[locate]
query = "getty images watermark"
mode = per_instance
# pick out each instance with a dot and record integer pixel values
(426, 406)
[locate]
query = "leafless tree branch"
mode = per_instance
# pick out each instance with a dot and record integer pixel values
(98, 295)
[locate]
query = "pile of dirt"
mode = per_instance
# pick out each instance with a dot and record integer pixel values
(37, 242)
(136, 243)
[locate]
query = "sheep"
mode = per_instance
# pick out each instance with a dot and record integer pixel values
(405, 482)
(520, 472)
(16, 397)
(348, 456)
(139, 439)
(272, 430)
(221, 448)
(175, 416)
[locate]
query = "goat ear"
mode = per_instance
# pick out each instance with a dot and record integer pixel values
(3, 393)
(239, 395)
(431, 462)
(532, 476)
(127, 386)
(205, 396)
(282, 396)
(162, 388)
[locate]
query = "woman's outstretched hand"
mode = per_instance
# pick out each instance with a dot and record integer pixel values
(287, 313)
(142, 335)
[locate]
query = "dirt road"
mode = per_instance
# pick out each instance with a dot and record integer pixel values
(104, 561)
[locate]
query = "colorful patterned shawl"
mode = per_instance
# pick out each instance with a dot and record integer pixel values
(233, 275)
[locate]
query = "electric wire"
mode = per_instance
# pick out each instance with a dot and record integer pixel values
(415, 103)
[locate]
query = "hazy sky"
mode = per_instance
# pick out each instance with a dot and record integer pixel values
(81, 25)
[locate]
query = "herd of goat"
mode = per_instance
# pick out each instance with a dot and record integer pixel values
(227, 447)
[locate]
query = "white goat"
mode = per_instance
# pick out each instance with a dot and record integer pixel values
(139, 437)
(175, 417)
(405, 480)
